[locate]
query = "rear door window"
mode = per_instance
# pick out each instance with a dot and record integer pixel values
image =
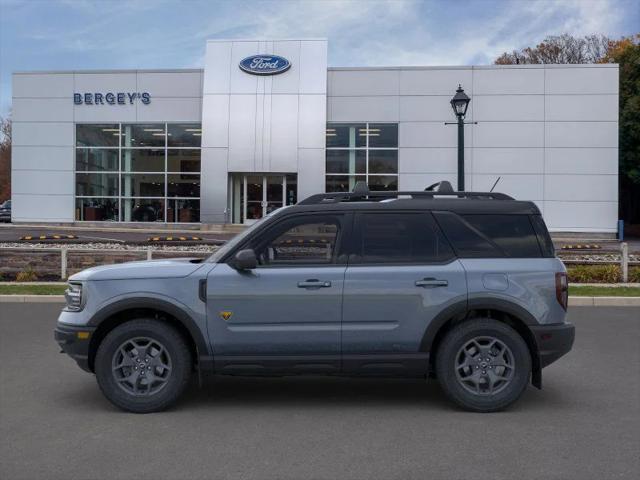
(469, 242)
(399, 238)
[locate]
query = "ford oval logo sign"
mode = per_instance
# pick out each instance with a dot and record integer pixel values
(265, 64)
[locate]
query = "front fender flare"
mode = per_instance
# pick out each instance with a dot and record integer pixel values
(178, 311)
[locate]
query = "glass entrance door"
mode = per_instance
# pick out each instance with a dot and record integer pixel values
(274, 193)
(254, 195)
(254, 203)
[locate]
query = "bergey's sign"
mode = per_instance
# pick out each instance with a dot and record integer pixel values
(110, 98)
(265, 64)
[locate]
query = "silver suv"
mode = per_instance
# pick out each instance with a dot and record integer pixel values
(464, 287)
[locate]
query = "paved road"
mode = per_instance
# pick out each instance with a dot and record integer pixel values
(585, 424)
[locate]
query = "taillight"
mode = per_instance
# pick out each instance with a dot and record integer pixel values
(562, 289)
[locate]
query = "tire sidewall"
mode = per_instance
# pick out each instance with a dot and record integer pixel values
(459, 336)
(180, 368)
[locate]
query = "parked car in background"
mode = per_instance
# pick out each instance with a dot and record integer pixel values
(5, 211)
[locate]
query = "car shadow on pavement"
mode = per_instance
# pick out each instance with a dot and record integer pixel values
(314, 392)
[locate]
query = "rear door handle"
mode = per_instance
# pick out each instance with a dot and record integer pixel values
(431, 283)
(313, 283)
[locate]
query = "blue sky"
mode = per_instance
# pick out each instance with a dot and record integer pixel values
(100, 34)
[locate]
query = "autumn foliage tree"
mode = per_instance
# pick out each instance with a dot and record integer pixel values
(5, 159)
(600, 49)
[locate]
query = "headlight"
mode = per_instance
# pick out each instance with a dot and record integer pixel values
(73, 297)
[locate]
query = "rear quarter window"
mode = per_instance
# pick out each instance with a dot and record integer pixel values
(490, 235)
(514, 234)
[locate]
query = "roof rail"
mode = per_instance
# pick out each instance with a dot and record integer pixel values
(384, 195)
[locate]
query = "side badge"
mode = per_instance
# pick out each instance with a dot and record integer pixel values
(225, 315)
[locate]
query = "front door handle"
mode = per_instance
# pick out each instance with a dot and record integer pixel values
(313, 283)
(431, 283)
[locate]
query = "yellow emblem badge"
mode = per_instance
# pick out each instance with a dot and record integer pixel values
(225, 315)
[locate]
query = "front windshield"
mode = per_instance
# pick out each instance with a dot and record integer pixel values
(238, 239)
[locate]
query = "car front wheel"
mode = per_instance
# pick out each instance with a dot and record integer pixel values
(143, 365)
(483, 365)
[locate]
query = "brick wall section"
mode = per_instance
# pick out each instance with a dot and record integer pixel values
(46, 265)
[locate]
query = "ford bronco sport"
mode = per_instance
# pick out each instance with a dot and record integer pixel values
(461, 286)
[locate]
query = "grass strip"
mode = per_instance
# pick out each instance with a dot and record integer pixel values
(32, 289)
(594, 291)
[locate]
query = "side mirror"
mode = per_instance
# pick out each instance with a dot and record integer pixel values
(245, 260)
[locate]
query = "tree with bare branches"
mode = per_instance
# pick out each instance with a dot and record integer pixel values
(560, 49)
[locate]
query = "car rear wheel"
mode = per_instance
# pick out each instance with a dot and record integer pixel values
(483, 365)
(143, 365)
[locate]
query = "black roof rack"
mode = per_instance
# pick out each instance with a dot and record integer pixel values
(361, 193)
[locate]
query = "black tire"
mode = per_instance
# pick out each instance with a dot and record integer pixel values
(449, 371)
(175, 353)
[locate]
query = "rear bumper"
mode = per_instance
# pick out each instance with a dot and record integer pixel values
(553, 341)
(77, 347)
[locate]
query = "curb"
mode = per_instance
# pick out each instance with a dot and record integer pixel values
(573, 300)
(604, 301)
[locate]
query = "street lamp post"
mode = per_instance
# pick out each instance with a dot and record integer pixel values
(460, 103)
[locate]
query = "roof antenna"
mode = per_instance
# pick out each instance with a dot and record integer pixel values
(494, 185)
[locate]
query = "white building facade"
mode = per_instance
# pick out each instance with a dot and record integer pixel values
(267, 123)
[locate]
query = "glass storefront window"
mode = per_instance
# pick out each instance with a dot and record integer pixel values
(96, 159)
(383, 183)
(98, 135)
(183, 211)
(139, 174)
(361, 152)
(383, 135)
(180, 185)
(383, 161)
(147, 160)
(142, 210)
(346, 161)
(143, 185)
(184, 135)
(184, 161)
(144, 135)
(96, 209)
(96, 184)
(343, 183)
(346, 135)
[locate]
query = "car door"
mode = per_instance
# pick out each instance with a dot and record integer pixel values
(286, 313)
(402, 273)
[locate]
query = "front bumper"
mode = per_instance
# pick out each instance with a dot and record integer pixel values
(553, 341)
(74, 341)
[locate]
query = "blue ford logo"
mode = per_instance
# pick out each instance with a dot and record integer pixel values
(265, 64)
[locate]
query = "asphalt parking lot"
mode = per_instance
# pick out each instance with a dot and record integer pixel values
(584, 424)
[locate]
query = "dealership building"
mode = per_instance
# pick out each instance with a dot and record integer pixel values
(267, 123)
